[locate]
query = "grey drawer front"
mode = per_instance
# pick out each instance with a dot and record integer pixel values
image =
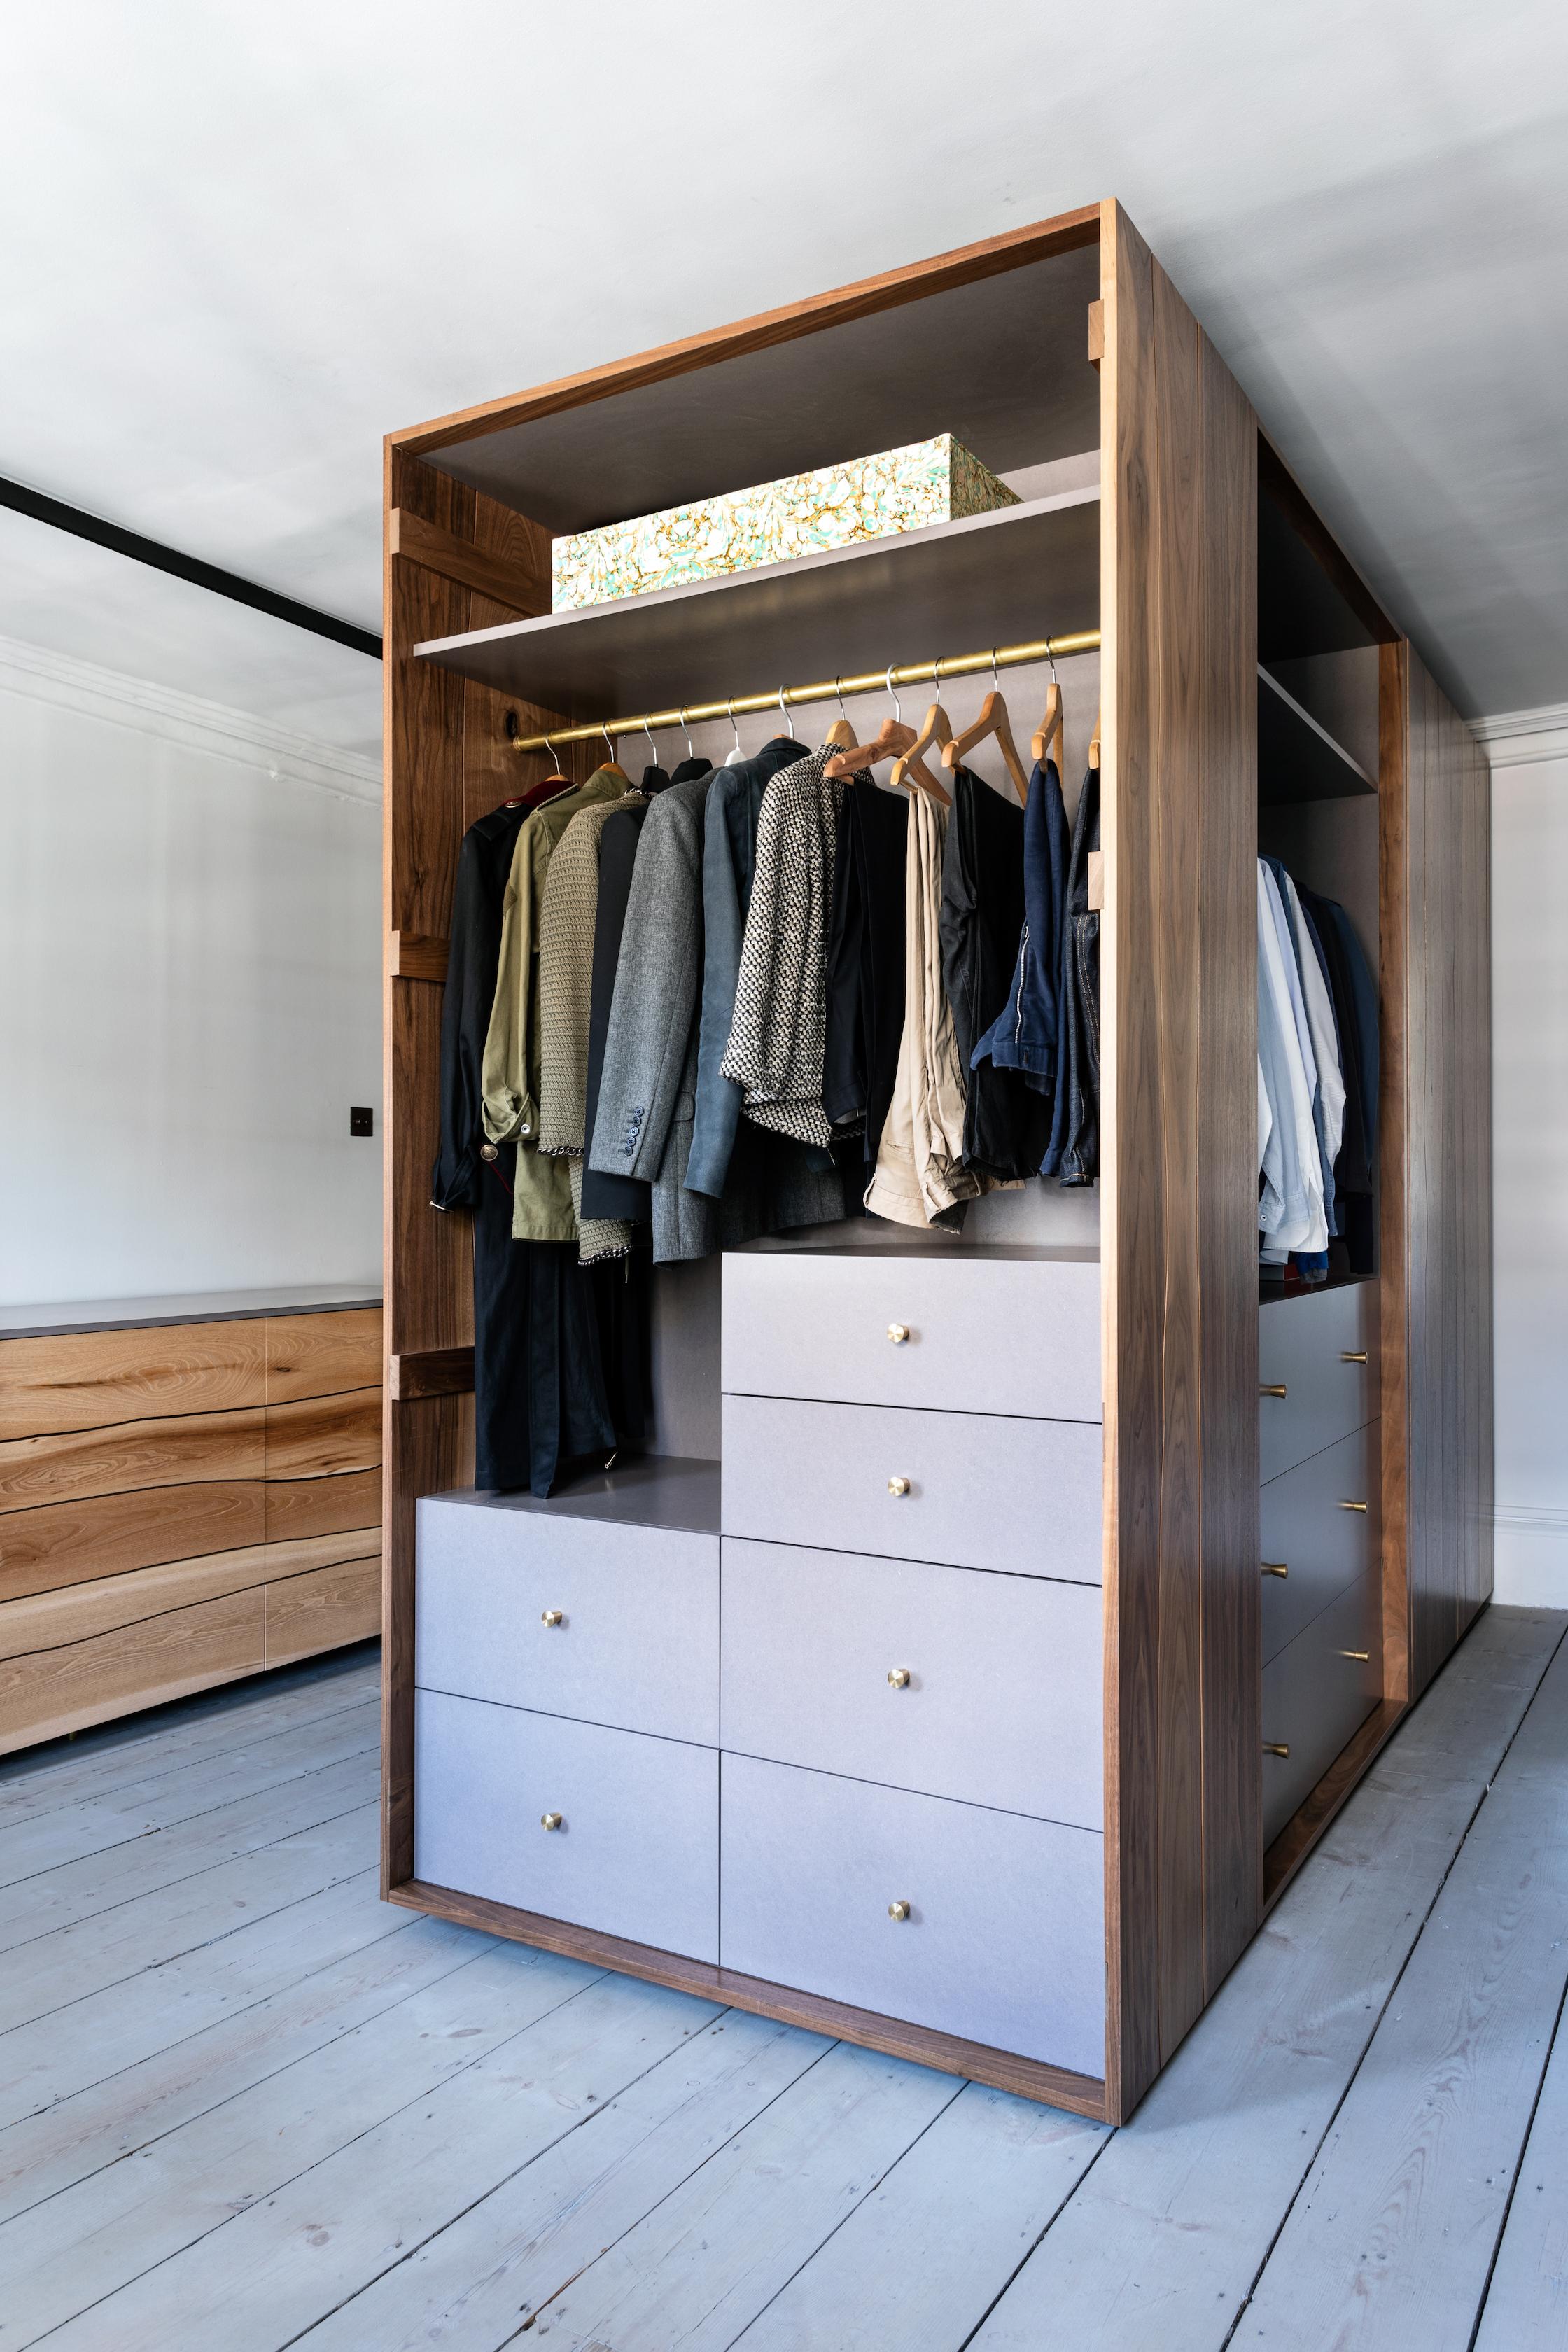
(1003, 1705)
(1019, 1495)
(1005, 1941)
(1301, 1346)
(637, 1854)
(1315, 1697)
(1017, 1336)
(1305, 1527)
(638, 1644)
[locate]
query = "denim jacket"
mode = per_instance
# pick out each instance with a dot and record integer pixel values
(1026, 1033)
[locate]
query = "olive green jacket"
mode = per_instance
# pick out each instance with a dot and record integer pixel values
(541, 1188)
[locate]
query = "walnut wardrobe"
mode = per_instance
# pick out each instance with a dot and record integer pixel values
(923, 1684)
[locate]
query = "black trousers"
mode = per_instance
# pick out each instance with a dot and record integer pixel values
(560, 1350)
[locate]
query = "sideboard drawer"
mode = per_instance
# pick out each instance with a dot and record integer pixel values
(972, 1334)
(1317, 1693)
(635, 1854)
(1003, 1942)
(1308, 1528)
(1307, 1346)
(635, 1640)
(978, 1490)
(1002, 1702)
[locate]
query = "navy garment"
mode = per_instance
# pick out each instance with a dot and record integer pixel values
(1353, 1166)
(1073, 1154)
(865, 964)
(1026, 1033)
(1006, 1123)
(610, 1195)
(560, 1350)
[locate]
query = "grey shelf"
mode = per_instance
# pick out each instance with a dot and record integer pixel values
(1297, 759)
(58, 1321)
(655, 1490)
(1026, 571)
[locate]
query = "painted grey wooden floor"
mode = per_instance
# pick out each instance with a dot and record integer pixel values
(243, 2105)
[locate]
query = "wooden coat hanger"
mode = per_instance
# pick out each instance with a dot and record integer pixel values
(840, 732)
(893, 740)
(993, 720)
(935, 728)
(1048, 740)
(1094, 741)
(612, 765)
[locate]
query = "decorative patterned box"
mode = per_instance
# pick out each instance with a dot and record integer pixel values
(870, 497)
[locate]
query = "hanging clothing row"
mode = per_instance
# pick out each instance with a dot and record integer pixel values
(1317, 1083)
(722, 1005)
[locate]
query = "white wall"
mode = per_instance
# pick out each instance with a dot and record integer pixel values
(189, 994)
(1529, 751)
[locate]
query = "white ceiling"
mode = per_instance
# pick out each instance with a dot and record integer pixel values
(242, 242)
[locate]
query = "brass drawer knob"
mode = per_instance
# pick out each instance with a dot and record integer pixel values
(1275, 1747)
(899, 1677)
(552, 1617)
(899, 1910)
(898, 1333)
(1275, 1568)
(550, 1821)
(1350, 1507)
(1361, 1657)
(897, 1485)
(1353, 1355)
(1271, 1387)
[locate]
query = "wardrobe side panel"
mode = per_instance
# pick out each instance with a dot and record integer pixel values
(448, 759)
(1447, 1102)
(1178, 1209)
(1394, 1177)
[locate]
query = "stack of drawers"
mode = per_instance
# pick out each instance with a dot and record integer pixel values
(911, 1707)
(854, 1747)
(1320, 1530)
(567, 1715)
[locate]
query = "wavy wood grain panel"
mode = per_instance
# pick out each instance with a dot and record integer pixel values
(79, 1612)
(95, 1380)
(191, 1449)
(165, 1657)
(107, 1535)
(323, 1609)
(322, 1507)
(322, 1436)
(1179, 1182)
(322, 1355)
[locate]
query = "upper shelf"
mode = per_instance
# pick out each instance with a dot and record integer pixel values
(1297, 759)
(1022, 573)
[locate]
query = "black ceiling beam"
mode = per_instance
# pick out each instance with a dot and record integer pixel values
(114, 536)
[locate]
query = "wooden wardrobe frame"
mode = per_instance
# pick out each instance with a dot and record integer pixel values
(1181, 455)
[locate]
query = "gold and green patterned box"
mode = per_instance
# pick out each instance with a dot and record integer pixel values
(870, 497)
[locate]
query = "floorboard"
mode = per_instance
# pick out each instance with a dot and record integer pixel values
(243, 2102)
(1391, 2241)
(1164, 2241)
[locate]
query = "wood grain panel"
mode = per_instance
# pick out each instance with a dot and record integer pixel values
(1441, 907)
(94, 1380)
(1028, 2078)
(428, 1449)
(1066, 233)
(78, 1613)
(66, 1543)
(1393, 1173)
(320, 1507)
(321, 1355)
(196, 1447)
(323, 1609)
(166, 1657)
(1178, 1207)
(322, 1436)
(518, 589)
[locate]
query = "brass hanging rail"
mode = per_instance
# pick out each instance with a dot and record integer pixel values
(829, 689)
